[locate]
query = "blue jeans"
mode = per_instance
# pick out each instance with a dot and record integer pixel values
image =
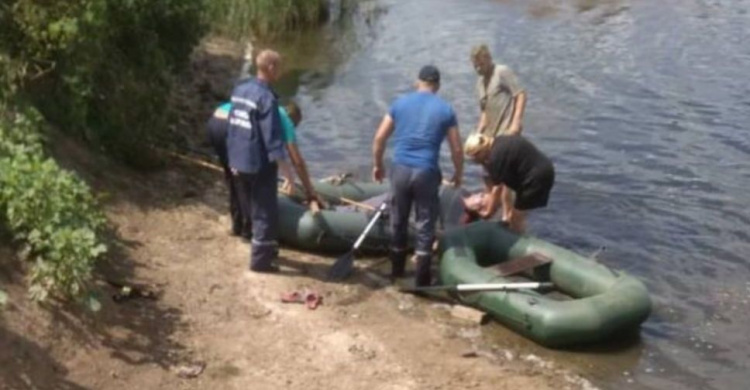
(418, 187)
(258, 193)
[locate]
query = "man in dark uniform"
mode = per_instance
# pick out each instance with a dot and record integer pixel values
(217, 128)
(513, 161)
(419, 121)
(256, 149)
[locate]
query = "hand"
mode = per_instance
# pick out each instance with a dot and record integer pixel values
(488, 211)
(315, 198)
(455, 181)
(287, 187)
(378, 173)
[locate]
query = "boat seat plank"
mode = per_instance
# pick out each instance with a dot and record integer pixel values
(521, 264)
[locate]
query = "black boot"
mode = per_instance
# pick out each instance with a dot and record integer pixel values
(398, 264)
(424, 272)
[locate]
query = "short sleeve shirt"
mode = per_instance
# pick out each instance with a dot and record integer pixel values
(496, 99)
(422, 120)
(287, 126)
(514, 161)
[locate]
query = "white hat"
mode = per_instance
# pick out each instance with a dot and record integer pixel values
(476, 143)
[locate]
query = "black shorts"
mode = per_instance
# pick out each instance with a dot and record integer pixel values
(535, 191)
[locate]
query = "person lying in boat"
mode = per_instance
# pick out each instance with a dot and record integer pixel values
(513, 161)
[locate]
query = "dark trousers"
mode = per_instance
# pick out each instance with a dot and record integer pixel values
(217, 137)
(418, 187)
(258, 195)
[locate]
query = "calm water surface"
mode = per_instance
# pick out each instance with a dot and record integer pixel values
(642, 105)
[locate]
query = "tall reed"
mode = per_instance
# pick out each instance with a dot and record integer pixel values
(242, 18)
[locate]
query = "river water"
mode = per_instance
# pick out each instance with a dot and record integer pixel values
(643, 106)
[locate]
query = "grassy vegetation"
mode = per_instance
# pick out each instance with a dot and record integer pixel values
(50, 212)
(101, 70)
(243, 18)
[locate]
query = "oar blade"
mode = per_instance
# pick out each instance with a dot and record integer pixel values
(342, 268)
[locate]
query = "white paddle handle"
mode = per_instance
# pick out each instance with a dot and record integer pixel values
(500, 286)
(369, 226)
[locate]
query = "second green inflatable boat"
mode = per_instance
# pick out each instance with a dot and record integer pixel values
(590, 301)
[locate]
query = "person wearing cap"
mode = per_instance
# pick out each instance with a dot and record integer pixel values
(419, 122)
(256, 151)
(513, 161)
(502, 102)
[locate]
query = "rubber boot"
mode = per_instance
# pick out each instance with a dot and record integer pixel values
(424, 271)
(398, 264)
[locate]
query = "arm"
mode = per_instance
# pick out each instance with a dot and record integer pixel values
(457, 155)
(509, 79)
(286, 171)
(482, 122)
(494, 202)
(519, 107)
(378, 147)
(301, 167)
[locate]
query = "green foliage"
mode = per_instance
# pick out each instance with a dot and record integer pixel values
(49, 209)
(242, 18)
(101, 69)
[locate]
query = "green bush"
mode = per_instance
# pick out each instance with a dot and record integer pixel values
(242, 18)
(49, 209)
(100, 69)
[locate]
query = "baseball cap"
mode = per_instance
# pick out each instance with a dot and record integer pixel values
(430, 74)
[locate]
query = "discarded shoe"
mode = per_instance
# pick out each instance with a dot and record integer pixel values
(313, 300)
(292, 297)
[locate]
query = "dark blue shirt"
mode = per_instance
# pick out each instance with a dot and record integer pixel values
(422, 120)
(254, 138)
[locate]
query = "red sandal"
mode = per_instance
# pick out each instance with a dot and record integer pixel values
(313, 300)
(292, 297)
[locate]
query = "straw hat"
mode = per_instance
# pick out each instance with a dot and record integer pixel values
(477, 143)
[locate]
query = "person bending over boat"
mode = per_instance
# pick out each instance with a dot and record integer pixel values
(513, 161)
(420, 121)
(291, 116)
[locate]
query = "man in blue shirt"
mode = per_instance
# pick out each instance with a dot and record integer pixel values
(419, 121)
(255, 149)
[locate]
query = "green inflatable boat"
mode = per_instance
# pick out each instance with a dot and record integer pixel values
(335, 229)
(590, 302)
